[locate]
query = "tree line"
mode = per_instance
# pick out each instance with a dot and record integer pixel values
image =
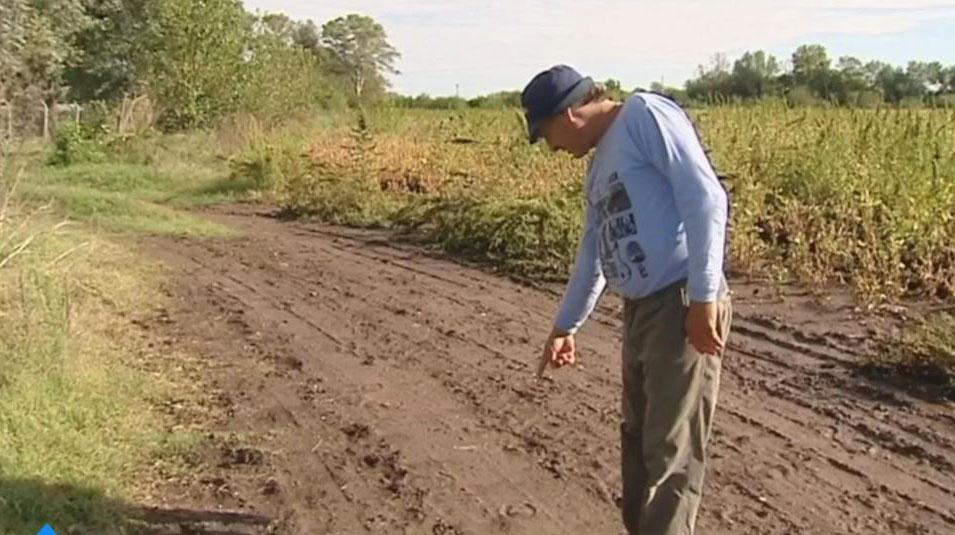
(811, 76)
(197, 60)
(496, 100)
(200, 60)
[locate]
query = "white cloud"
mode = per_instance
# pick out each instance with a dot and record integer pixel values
(488, 44)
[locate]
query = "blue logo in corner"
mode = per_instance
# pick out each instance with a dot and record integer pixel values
(46, 530)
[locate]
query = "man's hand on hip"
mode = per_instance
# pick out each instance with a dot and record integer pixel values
(701, 328)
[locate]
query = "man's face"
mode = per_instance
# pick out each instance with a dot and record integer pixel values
(564, 132)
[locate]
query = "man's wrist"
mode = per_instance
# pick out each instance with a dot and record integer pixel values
(557, 332)
(707, 292)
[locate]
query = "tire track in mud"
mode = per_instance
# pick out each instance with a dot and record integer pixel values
(252, 299)
(395, 391)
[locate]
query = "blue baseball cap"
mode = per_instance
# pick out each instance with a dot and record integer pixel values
(550, 93)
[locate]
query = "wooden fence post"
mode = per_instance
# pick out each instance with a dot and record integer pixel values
(9, 109)
(46, 121)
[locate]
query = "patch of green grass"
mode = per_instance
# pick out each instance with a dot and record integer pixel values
(109, 176)
(78, 431)
(145, 186)
(215, 191)
(115, 211)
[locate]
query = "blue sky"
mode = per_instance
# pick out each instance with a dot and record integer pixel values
(489, 45)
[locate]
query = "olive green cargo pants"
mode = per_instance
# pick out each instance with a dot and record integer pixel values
(669, 398)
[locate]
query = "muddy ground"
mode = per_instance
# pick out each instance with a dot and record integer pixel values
(373, 386)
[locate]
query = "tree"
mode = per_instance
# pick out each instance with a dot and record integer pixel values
(871, 70)
(927, 76)
(851, 66)
(36, 46)
(307, 36)
(753, 74)
(196, 70)
(360, 50)
(37, 43)
(614, 89)
(852, 71)
(812, 68)
(273, 54)
(291, 32)
(896, 85)
(853, 87)
(13, 35)
(712, 83)
(948, 79)
(112, 47)
(809, 61)
(279, 25)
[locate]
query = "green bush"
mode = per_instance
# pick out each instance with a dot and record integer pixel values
(76, 143)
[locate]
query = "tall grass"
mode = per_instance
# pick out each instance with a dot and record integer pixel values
(819, 195)
(859, 196)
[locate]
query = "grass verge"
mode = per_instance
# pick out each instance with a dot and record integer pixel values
(82, 433)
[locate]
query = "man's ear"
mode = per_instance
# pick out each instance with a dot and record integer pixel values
(572, 117)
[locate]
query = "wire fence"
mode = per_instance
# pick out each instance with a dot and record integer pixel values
(32, 120)
(24, 120)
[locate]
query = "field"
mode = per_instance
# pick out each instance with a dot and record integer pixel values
(261, 365)
(856, 196)
(247, 287)
(823, 197)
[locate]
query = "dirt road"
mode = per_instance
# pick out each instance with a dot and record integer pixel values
(377, 388)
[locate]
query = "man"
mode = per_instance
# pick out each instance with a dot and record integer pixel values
(654, 230)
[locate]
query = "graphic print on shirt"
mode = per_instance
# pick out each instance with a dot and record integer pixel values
(617, 222)
(636, 256)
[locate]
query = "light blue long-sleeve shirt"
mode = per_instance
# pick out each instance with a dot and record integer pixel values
(655, 212)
